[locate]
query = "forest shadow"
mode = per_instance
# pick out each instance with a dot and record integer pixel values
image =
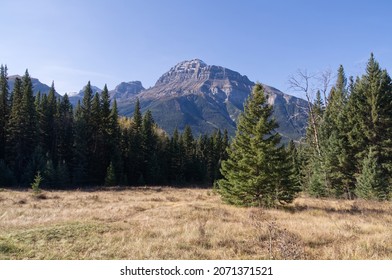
(353, 210)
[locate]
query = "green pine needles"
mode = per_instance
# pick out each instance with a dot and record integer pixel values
(36, 185)
(258, 171)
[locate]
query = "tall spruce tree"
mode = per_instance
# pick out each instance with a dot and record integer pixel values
(113, 134)
(257, 171)
(4, 108)
(136, 156)
(370, 119)
(336, 153)
(21, 129)
(313, 178)
(372, 182)
(98, 165)
(149, 152)
(65, 136)
(83, 138)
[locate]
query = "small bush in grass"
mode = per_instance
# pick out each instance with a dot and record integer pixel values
(37, 184)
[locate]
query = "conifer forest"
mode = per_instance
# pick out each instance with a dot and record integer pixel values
(346, 153)
(90, 145)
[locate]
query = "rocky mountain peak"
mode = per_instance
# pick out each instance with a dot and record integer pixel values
(126, 90)
(188, 69)
(190, 64)
(210, 97)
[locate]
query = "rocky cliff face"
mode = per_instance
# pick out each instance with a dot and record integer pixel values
(209, 97)
(126, 90)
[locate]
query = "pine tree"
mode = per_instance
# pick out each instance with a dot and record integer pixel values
(176, 166)
(113, 135)
(189, 153)
(257, 171)
(80, 154)
(14, 139)
(372, 183)
(294, 157)
(335, 146)
(137, 116)
(63, 175)
(135, 161)
(149, 145)
(21, 127)
(84, 139)
(4, 108)
(110, 179)
(36, 184)
(50, 174)
(370, 119)
(106, 126)
(98, 165)
(52, 129)
(65, 135)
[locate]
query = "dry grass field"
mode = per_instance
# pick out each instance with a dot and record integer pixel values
(167, 223)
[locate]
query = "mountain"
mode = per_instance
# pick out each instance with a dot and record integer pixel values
(126, 90)
(206, 97)
(209, 97)
(121, 93)
(75, 97)
(37, 85)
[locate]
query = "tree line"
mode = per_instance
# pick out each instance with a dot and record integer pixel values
(347, 151)
(92, 145)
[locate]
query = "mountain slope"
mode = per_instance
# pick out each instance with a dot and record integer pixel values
(209, 97)
(37, 85)
(122, 92)
(74, 98)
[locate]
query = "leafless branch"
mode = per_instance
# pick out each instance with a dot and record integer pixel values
(325, 80)
(301, 82)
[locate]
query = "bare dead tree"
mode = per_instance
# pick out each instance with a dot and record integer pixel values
(325, 80)
(301, 82)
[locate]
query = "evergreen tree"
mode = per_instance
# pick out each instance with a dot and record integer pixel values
(336, 153)
(80, 160)
(65, 135)
(257, 171)
(113, 136)
(21, 128)
(52, 129)
(106, 125)
(295, 160)
(86, 137)
(137, 116)
(149, 152)
(136, 164)
(98, 165)
(189, 153)
(63, 175)
(372, 183)
(4, 108)
(370, 119)
(176, 165)
(50, 175)
(110, 179)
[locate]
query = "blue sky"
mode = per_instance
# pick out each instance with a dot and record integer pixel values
(74, 41)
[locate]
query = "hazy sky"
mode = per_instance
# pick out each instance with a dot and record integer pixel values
(74, 41)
